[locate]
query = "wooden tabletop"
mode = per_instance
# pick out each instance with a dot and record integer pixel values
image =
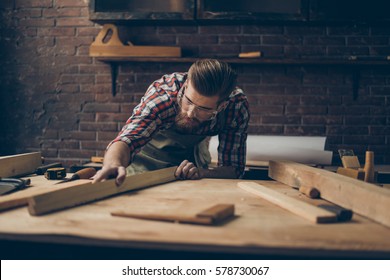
(259, 227)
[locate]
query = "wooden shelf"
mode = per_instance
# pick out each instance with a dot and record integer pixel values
(266, 61)
(355, 64)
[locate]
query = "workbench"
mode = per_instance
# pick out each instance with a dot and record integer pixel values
(259, 229)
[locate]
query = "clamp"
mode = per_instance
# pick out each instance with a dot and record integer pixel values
(9, 185)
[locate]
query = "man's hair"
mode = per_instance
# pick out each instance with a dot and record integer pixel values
(211, 77)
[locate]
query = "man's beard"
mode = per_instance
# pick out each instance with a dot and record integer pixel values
(185, 124)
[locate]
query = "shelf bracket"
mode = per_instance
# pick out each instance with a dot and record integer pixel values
(114, 74)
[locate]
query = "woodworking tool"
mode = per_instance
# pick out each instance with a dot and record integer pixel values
(343, 214)
(349, 159)
(369, 175)
(42, 169)
(211, 216)
(9, 185)
(56, 173)
(75, 168)
(85, 173)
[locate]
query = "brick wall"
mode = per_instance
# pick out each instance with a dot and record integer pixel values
(57, 99)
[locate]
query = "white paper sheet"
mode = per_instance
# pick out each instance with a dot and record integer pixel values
(303, 149)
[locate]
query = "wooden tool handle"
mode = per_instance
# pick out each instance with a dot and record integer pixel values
(249, 55)
(369, 168)
(108, 30)
(85, 173)
(311, 192)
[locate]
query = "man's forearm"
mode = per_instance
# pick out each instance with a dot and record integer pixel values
(118, 154)
(221, 172)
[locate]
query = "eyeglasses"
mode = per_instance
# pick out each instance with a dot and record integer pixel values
(200, 113)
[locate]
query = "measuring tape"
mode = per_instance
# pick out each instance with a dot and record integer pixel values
(55, 173)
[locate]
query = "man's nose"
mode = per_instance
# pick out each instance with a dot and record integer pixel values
(191, 112)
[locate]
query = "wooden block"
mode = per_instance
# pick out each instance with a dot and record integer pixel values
(82, 194)
(166, 218)
(218, 213)
(350, 162)
(361, 197)
(353, 173)
(210, 216)
(22, 164)
(300, 208)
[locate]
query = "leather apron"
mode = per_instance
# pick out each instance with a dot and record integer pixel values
(169, 148)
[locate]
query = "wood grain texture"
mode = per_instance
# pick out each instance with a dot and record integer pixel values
(39, 185)
(259, 226)
(353, 173)
(81, 194)
(361, 197)
(300, 208)
(15, 165)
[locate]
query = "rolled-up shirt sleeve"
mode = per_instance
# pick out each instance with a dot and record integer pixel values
(156, 107)
(232, 140)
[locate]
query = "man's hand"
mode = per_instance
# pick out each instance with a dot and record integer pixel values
(107, 172)
(187, 170)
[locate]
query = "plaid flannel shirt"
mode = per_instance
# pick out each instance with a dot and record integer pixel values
(158, 108)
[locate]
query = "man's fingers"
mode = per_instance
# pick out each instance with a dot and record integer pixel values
(179, 170)
(193, 173)
(120, 178)
(187, 168)
(118, 172)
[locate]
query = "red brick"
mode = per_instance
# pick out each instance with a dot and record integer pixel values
(33, 3)
(73, 22)
(305, 130)
(219, 29)
(71, 3)
(92, 126)
(36, 22)
(101, 107)
(93, 145)
(57, 31)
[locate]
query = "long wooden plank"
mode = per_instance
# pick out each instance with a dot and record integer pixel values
(73, 196)
(39, 185)
(363, 198)
(300, 208)
(20, 164)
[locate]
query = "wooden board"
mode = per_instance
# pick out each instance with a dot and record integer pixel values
(39, 185)
(15, 165)
(211, 216)
(361, 197)
(81, 194)
(142, 51)
(298, 207)
(259, 227)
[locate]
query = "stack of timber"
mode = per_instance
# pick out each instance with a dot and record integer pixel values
(363, 198)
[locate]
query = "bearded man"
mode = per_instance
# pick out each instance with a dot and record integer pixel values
(173, 122)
